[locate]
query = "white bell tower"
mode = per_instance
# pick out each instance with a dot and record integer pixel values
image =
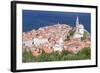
(77, 21)
(79, 29)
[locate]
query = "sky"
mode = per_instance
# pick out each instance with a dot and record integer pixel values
(33, 19)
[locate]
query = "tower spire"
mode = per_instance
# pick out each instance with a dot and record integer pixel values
(77, 21)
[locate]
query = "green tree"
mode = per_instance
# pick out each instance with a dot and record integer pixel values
(71, 32)
(85, 35)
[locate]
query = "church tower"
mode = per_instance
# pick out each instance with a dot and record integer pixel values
(77, 21)
(79, 29)
(77, 24)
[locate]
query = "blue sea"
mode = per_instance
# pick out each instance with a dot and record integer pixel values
(32, 19)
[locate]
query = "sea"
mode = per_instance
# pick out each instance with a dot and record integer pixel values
(34, 19)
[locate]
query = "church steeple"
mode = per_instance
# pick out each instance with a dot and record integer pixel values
(77, 21)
